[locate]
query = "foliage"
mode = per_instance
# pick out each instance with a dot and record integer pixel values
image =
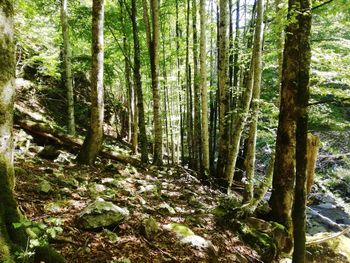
(39, 235)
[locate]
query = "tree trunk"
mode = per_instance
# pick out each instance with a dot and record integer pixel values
(12, 239)
(189, 91)
(153, 44)
(67, 57)
(313, 143)
(204, 89)
(243, 108)
(254, 108)
(196, 89)
(223, 92)
(94, 137)
(295, 77)
(301, 36)
(8, 205)
(138, 84)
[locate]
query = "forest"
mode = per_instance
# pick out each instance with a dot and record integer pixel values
(175, 131)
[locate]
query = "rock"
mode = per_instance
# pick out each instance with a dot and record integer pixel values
(150, 227)
(180, 230)
(196, 241)
(187, 236)
(147, 188)
(101, 213)
(45, 187)
(49, 152)
(113, 237)
(335, 250)
(164, 208)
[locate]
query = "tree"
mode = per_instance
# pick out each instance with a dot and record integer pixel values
(94, 138)
(11, 239)
(301, 31)
(138, 84)
(254, 108)
(153, 46)
(67, 56)
(204, 90)
(223, 91)
(8, 205)
(292, 127)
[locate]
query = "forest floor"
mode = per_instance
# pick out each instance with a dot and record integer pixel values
(59, 190)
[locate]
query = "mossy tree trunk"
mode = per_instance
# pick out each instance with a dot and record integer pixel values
(138, 84)
(94, 138)
(9, 237)
(243, 107)
(302, 10)
(291, 135)
(67, 57)
(254, 108)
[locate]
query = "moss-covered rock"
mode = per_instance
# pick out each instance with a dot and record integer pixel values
(150, 227)
(335, 250)
(101, 213)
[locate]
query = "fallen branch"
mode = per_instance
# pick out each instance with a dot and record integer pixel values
(327, 221)
(70, 143)
(325, 239)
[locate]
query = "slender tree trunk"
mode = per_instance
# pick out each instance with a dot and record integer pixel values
(251, 142)
(204, 89)
(235, 57)
(179, 86)
(138, 84)
(196, 90)
(223, 92)
(189, 91)
(153, 44)
(303, 78)
(93, 141)
(67, 57)
(243, 109)
(280, 20)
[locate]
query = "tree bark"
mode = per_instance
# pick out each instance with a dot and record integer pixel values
(223, 92)
(313, 143)
(8, 205)
(138, 84)
(196, 92)
(67, 57)
(292, 121)
(302, 36)
(12, 240)
(153, 44)
(254, 108)
(94, 138)
(204, 89)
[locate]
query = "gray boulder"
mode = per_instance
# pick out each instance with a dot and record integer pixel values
(101, 213)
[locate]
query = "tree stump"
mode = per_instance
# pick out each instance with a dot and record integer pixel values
(313, 142)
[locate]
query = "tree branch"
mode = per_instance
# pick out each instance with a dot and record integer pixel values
(320, 5)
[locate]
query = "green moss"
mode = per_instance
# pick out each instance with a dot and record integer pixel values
(181, 230)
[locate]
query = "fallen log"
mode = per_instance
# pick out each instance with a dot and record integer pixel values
(69, 143)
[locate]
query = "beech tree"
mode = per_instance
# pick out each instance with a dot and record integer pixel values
(204, 89)
(138, 84)
(152, 35)
(292, 128)
(94, 138)
(67, 57)
(9, 214)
